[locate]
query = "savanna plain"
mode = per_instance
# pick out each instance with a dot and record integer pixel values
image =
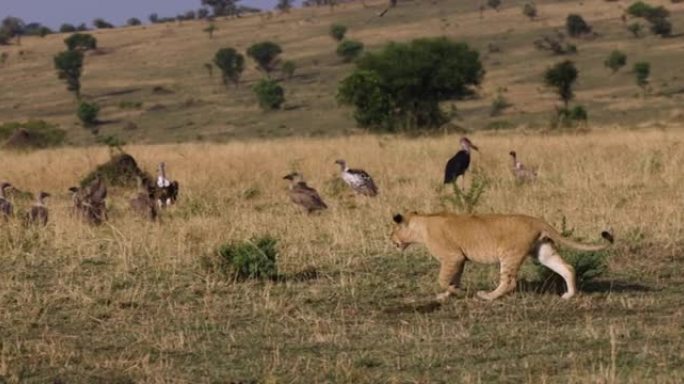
(134, 301)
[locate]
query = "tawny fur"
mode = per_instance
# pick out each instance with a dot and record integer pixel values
(505, 239)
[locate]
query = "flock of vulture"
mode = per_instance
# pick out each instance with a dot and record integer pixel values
(362, 183)
(89, 201)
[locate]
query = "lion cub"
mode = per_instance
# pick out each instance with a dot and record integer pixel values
(505, 239)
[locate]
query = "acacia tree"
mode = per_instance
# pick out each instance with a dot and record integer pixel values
(81, 42)
(265, 54)
(402, 85)
(284, 5)
(13, 27)
(222, 7)
(562, 77)
(231, 63)
(69, 65)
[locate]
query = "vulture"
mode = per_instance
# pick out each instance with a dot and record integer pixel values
(167, 190)
(358, 179)
(39, 212)
(145, 202)
(458, 165)
(520, 171)
(6, 209)
(89, 202)
(303, 195)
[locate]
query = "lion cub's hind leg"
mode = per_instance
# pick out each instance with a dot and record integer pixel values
(549, 257)
(507, 279)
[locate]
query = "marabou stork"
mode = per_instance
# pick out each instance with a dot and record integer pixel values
(167, 192)
(303, 195)
(358, 179)
(520, 171)
(458, 165)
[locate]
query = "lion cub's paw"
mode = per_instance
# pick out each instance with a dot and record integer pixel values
(484, 295)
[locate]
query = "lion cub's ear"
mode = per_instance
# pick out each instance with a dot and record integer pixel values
(398, 218)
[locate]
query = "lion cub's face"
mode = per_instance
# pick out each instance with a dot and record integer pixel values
(402, 236)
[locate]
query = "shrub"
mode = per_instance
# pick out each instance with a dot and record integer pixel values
(403, 84)
(349, 50)
(265, 54)
(616, 60)
(555, 44)
(635, 28)
(494, 4)
(499, 104)
(338, 31)
(576, 26)
(661, 27)
(87, 113)
(69, 65)
(570, 117)
(252, 259)
(288, 68)
(642, 71)
(210, 30)
(4, 37)
(133, 21)
(270, 94)
(467, 201)
(102, 24)
(231, 63)
(35, 134)
(587, 266)
(81, 42)
(647, 11)
(530, 10)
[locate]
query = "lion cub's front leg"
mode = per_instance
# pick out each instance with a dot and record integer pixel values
(450, 276)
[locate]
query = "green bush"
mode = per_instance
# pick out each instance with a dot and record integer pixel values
(467, 201)
(40, 134)
(642, 71)
(102, 24)
(635, 28)
(288, 68)
(81, 42)
(231, 63)
(338, 31)
(87, 113)
(647, 11)
(616, 60)
(402, 85)
(67, 28)
(661, 27)
(252, 259)
(265, 54)
(349, 50)
(570, 117)
(499, 104)
(530, 10)
(270, 94)
(576, 26)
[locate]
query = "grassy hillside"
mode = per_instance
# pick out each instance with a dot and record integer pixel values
(132, 301)
(189, 105)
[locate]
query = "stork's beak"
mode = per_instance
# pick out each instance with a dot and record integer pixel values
(473, 146)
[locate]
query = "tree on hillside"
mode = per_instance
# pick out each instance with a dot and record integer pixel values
(223, 7)
(100, 23)
(642, 71)
(81, 42)
(270, 94)
(576, 26)
(231, 63)
(616, 60)
(402, 85)
(562, 77)
(530, 10)
(635, 28)
(67, 28)
(13, 27)
(153, 18)
(69, 65)
(133, 21)
(349, 50)
(82, 27)
(36, 29)
(494, 4)
(284, 5)
(202, 13)
(265, 54)
(337, 31)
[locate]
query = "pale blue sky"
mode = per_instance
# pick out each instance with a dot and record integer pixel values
(55, 12)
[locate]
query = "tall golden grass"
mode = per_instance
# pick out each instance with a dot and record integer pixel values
(57, 284)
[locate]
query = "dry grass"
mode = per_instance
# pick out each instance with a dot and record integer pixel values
(130, 301)
(133, 61)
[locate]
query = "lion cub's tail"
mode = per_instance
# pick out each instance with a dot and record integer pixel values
(552, 234)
